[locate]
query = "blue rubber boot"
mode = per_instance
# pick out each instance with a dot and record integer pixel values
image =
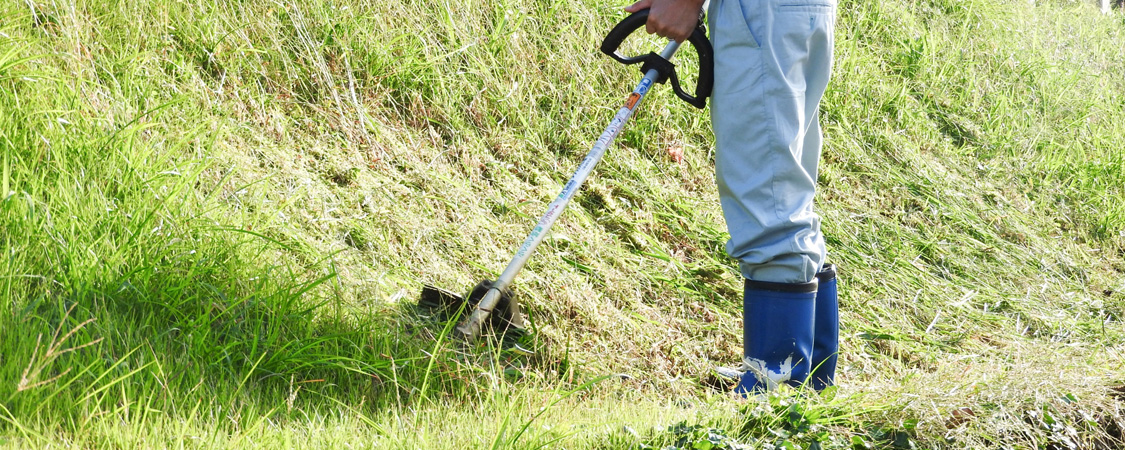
(777, 334)
(826, 330)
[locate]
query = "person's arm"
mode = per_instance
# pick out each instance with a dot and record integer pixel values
(673, 19)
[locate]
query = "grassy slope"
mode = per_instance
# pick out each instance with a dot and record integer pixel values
(245, 207)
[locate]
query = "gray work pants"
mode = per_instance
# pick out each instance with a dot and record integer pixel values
(772, 64)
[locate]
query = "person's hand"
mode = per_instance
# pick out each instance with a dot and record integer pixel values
(673, 19)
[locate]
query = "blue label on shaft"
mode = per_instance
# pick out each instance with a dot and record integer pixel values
(644, 86)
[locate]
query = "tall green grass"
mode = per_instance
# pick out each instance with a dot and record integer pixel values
(216, 217)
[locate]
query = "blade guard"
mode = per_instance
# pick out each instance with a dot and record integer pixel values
(507, 315)
(506, 318)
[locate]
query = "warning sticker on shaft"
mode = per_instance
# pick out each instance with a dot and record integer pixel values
(632, 101)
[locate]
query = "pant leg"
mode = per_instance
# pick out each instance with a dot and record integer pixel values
(772, 63)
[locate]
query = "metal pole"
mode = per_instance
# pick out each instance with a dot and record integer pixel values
(472, 326)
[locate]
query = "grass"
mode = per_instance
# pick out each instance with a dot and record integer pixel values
(216, 218)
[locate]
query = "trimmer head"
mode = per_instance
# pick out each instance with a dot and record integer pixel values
(506, 318)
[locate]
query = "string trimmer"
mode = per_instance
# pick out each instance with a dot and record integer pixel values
(491, 301)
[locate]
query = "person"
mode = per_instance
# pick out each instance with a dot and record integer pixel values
(773, 59)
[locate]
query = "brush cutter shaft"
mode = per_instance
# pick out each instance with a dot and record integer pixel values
(471, 328)
(592, 158)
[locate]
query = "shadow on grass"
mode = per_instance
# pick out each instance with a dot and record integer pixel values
(198, 325)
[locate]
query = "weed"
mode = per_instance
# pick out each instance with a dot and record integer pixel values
(245, 206)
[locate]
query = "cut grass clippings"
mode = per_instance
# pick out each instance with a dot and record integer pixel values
(216, 219)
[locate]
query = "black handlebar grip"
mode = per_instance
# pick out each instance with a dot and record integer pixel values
(706, 79)
(698, 39)
(622, 30)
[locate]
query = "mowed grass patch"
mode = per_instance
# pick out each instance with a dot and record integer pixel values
(216, 217)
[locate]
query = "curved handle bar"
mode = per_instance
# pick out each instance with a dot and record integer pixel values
(664, 67)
